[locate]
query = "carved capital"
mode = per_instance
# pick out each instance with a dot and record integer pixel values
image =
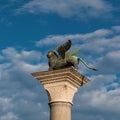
(63, 91)
(61, 85)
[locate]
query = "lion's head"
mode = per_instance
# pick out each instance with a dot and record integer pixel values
(51, 53)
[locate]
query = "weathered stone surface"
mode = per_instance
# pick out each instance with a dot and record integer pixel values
(61, 85)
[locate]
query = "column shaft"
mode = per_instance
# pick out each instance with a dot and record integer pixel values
(60, 110)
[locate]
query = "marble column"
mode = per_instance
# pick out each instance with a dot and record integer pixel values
(61, 86)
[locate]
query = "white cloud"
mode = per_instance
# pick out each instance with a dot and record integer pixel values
(102, 47)
(114, 55)
(116, 28)
(24, 60)
(28, 56)
(9, 116)
(20, 62)
(110, 62)
(101, 40)
(101, 81)
(68, 8)
(5, 103)
(20, 89)
(98, 99)
(55, 39)
(18, 86)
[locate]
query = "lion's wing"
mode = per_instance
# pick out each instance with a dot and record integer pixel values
(73, 52)
(63, 48)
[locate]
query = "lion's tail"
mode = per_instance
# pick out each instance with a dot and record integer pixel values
(86, 64)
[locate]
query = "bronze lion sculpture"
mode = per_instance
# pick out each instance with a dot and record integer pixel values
(65, 59)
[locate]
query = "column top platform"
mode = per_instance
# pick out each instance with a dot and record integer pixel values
(62, 75)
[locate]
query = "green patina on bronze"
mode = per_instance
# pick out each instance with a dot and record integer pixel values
(65, 59)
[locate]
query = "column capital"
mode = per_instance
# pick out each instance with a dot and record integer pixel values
(62, 84)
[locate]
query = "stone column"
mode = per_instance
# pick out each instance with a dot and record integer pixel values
(61, 85)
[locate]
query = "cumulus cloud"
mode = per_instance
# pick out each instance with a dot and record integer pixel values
(57, 39)
(116, 28)
(101, 36)
(5, 103)
(110, 62)
(98, 99)
(9, 116)
(28, 56)
(23, 59)
(108, 99)
(68, 8)
(102, 43)
(20, 90)
(17, 67)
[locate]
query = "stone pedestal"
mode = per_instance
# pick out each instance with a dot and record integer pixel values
(61, 85)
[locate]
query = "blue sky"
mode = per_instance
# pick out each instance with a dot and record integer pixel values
(28, 29)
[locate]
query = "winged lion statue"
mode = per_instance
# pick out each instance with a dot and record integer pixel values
(65, 59)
